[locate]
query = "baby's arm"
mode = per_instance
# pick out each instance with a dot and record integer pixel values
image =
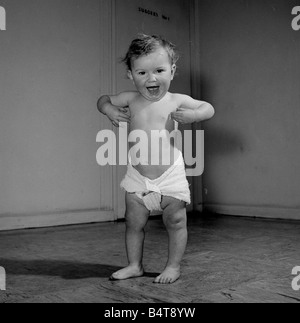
(115, 107)
(191, 110)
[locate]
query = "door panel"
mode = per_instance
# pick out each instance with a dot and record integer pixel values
(169, 18)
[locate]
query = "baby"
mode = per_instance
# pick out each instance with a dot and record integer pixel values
(154, 186)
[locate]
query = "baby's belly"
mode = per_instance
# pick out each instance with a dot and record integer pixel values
(154, 158)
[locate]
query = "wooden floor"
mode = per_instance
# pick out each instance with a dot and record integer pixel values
(228, 260)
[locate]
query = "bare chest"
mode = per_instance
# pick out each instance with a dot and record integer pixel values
(155, 116)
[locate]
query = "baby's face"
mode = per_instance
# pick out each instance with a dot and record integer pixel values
(152, 74)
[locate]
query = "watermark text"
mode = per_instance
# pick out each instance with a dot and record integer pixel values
(296, 280)
(152, 147)
(2, 279)
(296, 20)
(2, 19)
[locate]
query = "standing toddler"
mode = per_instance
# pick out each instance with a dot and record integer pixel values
(154, 186)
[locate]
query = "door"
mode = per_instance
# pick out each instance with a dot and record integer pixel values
(169, 18)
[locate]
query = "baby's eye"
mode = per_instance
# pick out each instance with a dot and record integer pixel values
(160, 71)
(142, 73)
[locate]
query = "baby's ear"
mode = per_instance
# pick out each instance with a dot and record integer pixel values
(173, 70)
(129, 75)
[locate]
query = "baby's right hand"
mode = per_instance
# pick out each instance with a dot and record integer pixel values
(117, 115)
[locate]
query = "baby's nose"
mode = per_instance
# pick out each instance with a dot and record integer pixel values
(152, 78)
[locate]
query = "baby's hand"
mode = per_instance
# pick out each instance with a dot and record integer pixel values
(184, 115)
(117, 115)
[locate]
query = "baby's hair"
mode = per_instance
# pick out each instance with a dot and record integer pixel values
(145, 45)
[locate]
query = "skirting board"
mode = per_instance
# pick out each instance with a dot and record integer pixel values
(254, 211)
(16, 222)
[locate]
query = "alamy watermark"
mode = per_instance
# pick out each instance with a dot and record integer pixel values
(296, 20)
(2, 279)
(2, 19)
(296, 280)
(139, 153)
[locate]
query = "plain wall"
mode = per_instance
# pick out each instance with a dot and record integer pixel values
(250, 70)
(49, 85)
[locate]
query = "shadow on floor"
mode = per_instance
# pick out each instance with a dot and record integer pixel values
(64, 269)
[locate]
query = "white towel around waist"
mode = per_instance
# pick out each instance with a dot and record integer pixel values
(172, 183)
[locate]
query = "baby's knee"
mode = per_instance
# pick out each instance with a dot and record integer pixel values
(175, 218)
(136, 214)
(133, 222)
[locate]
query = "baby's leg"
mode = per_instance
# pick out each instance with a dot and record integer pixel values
(136, 219)
(175, 220)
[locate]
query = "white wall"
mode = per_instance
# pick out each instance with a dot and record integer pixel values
(53, 68)
(250, 69)
(50, 67)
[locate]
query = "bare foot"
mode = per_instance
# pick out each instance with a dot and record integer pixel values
(128, 272)
(169, 276)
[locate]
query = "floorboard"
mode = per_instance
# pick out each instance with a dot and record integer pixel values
(228, 260)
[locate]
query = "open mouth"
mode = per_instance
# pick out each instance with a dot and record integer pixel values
(153, 90)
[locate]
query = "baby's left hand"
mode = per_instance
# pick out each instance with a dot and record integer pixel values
(184, 115)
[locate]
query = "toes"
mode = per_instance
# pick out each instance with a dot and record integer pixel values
(162, 280)
(166, 279)
(113, 277)
(157, 280)
(127, 273)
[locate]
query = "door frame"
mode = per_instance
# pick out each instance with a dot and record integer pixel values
(107, 17)
(108, 37)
